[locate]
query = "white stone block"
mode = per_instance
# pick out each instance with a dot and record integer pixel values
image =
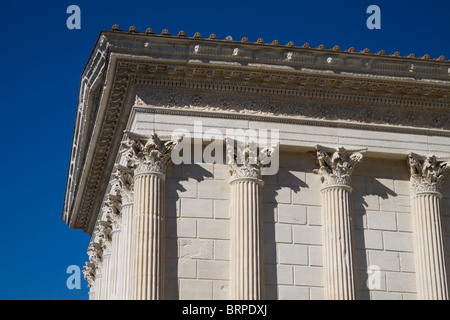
(293, 254)
(285, 274)
(222, 250)
(379, 186)
(221, 209)
(381, 220)
(221, 171)
(291, 213)
(383, 295)
(401, 282)
(195, 249)
(187, 268)
(404, 222)
(402, 187)
(398, 241)
(407, 263)
(398, 203)
(216, 270)
(315, 256)
(292, 178)
(186, 228)
(316, 293)
(214, 189)
(182, 188)
(196, 289)
(283, 233)
(307, 234)
(276, 194)
(213, 229)
(314, 215)
(196, 208)
(293, 293)
(308, 276)
(365, 202)
(221, 290)
(385, 260)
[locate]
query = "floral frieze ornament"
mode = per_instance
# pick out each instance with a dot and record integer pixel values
(148, 153)
(426, 172)
(336, 164)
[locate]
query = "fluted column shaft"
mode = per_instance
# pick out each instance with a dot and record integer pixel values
(247, 271)
(426, 181)
(336, 166)
(337, 243)
(124, 276)
(429, 243)
(147, 236)
(114, 268)
(105, 279)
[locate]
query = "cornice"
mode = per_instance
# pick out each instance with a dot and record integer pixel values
(326, 94)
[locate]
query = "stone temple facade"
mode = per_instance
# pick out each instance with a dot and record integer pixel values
(219, 169)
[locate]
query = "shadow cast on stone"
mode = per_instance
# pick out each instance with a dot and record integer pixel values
(176, 175)
(359, 209)
(271, 190)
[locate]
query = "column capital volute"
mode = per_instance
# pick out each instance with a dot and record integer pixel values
(427, 173)
(336, 164)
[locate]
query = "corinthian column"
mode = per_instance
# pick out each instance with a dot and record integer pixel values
(105, 229)
(149, 158)
(113, 212)
(426, 181)
(124, 177)
(246, 235)
(336, 166)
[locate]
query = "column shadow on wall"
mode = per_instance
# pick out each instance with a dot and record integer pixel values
(177, 175)
(271, 191)
(360, 252)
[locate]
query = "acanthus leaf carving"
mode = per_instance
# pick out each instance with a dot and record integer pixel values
(336, 165)
(244, 161)
(426, 172)
(148, 154)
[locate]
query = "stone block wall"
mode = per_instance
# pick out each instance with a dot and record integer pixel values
(198, 231)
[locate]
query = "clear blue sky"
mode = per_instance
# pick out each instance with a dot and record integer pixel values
(41, 63)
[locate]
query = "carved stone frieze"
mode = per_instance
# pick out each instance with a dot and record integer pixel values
(292, 107)
(337, 165)
(427, 172)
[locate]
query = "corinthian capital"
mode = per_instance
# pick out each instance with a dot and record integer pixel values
(125, 181)
(244, 161)
(148, 153)
(426, 172)
(337, 165)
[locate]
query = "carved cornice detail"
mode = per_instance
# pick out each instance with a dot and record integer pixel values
(426, 172)
(337, 165)
(148, 154)
(269, 91)
(291, 107)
